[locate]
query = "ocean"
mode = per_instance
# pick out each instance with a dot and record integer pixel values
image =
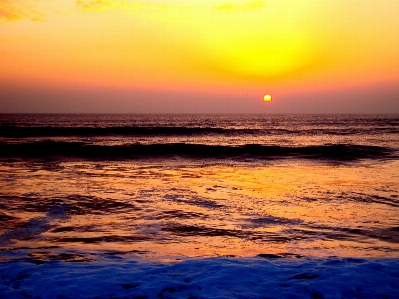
(212, 191)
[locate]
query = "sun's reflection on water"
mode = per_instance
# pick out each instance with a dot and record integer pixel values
(163, 209)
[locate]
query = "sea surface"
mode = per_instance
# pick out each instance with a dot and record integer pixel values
(170, 187)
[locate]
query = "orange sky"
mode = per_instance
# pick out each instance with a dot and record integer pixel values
(199, 56)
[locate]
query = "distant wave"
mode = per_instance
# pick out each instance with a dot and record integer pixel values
(82, 150)
(17, 131)
(47, 131)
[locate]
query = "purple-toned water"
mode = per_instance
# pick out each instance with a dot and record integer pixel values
(199, 206)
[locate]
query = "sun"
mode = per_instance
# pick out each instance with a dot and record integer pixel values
(267, 98)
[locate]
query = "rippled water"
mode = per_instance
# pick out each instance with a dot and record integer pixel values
(315, 185)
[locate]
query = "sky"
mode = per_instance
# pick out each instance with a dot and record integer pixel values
(200, 56)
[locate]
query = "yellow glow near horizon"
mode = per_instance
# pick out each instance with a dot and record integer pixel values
(270, 45)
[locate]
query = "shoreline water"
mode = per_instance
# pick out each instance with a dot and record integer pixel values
(203, 209)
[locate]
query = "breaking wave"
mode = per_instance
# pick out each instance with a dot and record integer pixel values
(53, 149)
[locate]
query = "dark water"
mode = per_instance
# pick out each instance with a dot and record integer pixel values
(201, 185)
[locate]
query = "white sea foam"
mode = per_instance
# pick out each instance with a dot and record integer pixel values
(114, 276)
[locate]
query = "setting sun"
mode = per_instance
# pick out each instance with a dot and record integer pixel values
(267, 98)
